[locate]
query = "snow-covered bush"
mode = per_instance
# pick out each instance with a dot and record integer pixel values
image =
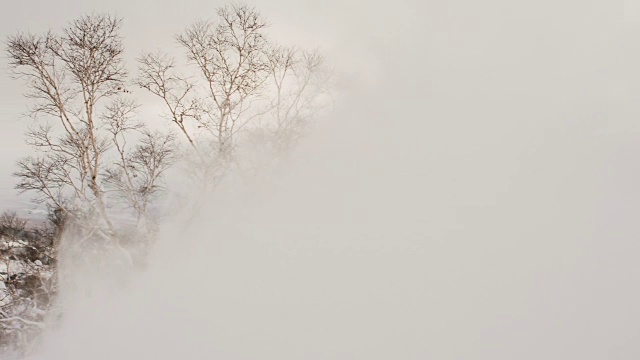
(27, 282)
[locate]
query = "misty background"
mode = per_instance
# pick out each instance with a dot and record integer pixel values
(473, 195)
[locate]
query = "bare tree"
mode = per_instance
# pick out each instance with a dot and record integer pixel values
(11, 224)
(76, 81)
(301, 90)
(135, 177)
(237, 80)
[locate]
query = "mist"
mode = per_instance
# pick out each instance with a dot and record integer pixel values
(473, 195)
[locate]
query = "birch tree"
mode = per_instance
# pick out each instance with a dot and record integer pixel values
(85, 120)
(236, 81)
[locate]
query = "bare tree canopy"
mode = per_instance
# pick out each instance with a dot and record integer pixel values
(76, 80)
(239, 81)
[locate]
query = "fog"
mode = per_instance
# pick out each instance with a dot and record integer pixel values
(473, 195)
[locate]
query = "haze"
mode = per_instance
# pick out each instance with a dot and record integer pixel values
(473, 196)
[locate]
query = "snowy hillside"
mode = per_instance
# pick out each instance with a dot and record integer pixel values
(27, 285)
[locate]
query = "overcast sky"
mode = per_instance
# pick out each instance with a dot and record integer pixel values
(475, 196)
